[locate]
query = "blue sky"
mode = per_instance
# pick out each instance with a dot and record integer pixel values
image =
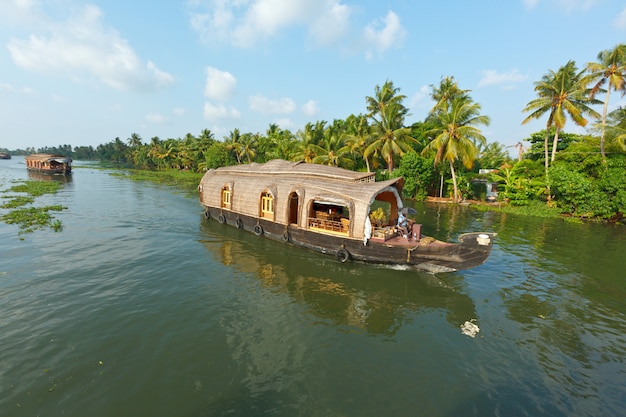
(83, 73)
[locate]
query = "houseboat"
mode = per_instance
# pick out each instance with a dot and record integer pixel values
(332, 211)
(4, 155)
(49, 163)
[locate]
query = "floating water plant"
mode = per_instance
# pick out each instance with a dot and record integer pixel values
(30, 219)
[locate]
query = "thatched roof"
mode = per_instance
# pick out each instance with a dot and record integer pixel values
(282, 167)
(311, 182)
(48, 157)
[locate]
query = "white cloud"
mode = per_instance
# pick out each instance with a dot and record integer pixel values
(530, 4)
(567, 5)
(19, 12)
(246, 23)
(220, 85)
(8, 88)
(83, 47)
(620, 20)
(265, 105)
(155, 118)
(284, 123)
(331, 24)
(310, 108)
(509, 79)
(384, 33)
(421, 97)
(179, 111)
(215, 112)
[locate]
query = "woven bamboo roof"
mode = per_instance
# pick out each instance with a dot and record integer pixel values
(48, 157)
(282, 167)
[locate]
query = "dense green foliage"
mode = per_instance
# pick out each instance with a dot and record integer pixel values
(578, 175)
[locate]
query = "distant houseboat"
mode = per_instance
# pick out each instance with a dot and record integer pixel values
(5, 155)
(327, 209)
(49, 163)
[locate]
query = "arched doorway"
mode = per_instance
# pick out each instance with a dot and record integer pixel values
(293, 208)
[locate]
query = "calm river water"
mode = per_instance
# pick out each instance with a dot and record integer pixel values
(141, 308)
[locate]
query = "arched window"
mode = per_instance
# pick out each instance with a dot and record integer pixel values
(226, 197)
(267, 206)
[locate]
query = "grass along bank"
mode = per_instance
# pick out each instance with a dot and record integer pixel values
(185, 181)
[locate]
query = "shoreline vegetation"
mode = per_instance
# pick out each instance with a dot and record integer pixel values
(554, 173)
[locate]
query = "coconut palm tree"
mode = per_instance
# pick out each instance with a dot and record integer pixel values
(357, 137)
(249, 143)
(455, 135)
(447, 90)
(610, 69)
(390, 137)
(560, 94)
(331, 150)
(308, 138)
(233, 144)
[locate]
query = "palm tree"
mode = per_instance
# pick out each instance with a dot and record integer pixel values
(617, 126)
(233, 143)
(611, 69)
(560, 94)
(357, 137)
(387, 113)
(447, 90)
(331, 150)
(307, 140)
(249, 143)
(455, 134)
(521, 149)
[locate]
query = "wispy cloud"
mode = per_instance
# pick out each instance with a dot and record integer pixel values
(620, 20)
(246, 23)
(267, 106)
(311, 108)
(505, 79)
(383, 34)
(83, 47)
(217, 112)
(566, 5)
(8, 88)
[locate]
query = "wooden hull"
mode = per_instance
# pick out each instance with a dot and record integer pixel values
(426, 254)
(53, 171)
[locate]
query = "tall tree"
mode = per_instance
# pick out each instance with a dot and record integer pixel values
(455, 135)
(331, 150)
(560, 94)
(357, 137)
(234, 144)
(445, 92)
(387, 112)
(610, 69)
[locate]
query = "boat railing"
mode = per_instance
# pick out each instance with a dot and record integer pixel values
(340, 226)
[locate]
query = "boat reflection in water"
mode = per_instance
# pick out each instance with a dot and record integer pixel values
(44, 176)
(377, 299)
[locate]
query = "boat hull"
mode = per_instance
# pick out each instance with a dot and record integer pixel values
(59, 171)
(426, 254)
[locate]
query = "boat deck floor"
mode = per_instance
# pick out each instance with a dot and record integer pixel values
(409, 242)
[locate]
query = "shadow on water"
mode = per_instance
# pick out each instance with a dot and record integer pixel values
(376, 299)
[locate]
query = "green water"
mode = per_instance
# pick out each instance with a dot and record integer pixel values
(140, 307)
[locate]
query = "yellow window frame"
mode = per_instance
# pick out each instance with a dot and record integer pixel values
(267, 205)
(226, 197)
